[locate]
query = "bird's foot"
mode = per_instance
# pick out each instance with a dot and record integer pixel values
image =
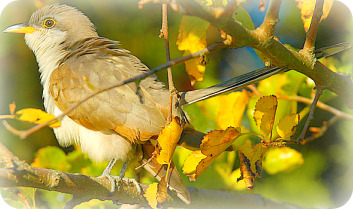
(117, 180)
(133, 181)
(114, 180)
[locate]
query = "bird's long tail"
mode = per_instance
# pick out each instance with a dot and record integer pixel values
(229, 85)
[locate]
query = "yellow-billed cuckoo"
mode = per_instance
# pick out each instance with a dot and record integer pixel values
(74, 62)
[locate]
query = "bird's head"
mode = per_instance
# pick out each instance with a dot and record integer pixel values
(54, 25)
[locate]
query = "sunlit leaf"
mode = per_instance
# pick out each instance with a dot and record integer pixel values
(36, 116)
(162, 191)
(265, 112)
(307, 9)
(246, 175)
(254, 154)
(282, 159)
(231, 109)
(213, 144)
(151, 195)
(167, 141)
(156, 193)
(287, 126)
(192, 38)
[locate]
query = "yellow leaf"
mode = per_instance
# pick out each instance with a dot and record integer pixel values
(36, 116)
(157, 193)
(162, 191)
(167, 141)
(194, 164)
(151, 195)
(307, 9)
(282, 159)
(286, 126)
(265, 112)
(231, 109)
(192, 160)
(192, 38)
(254, 154)
(213, 144)
(246, 174)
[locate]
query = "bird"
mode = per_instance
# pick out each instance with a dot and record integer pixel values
(117, 124)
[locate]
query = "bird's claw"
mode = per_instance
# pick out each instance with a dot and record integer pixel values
(114, 181)
(137, 185)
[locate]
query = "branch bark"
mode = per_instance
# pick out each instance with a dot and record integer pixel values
(20, 174)
(279, 55)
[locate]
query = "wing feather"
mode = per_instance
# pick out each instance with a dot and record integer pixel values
(118, 110)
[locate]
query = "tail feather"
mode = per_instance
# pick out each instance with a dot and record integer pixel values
(229, 85)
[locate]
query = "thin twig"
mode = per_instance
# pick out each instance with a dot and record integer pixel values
(310, 39)
(164, 33)
(321, 105)
(271, 18)
(2, 117)
(320, 131)
(311, 114)
(212, 48)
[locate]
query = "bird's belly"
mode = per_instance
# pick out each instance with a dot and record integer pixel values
(97, 145)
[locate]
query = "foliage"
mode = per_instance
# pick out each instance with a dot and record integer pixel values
(259, 136)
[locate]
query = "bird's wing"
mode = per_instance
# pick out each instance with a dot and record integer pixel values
(121, 110)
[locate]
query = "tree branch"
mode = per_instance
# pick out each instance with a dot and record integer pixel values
(271, 18)
(310, 39)
(164, 33)
(279, 55)
(84, 187)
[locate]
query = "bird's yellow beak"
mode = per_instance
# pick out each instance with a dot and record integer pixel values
(20, 28)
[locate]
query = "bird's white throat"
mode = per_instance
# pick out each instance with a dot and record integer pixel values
(48, 51)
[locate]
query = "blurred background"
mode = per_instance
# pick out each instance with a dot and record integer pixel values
(322, 181)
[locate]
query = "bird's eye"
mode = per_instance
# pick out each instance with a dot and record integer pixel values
(49, 23)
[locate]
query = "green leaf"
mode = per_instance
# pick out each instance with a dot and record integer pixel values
(242, 16)
(53, 158)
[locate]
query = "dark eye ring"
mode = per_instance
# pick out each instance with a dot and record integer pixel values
(49, 23)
